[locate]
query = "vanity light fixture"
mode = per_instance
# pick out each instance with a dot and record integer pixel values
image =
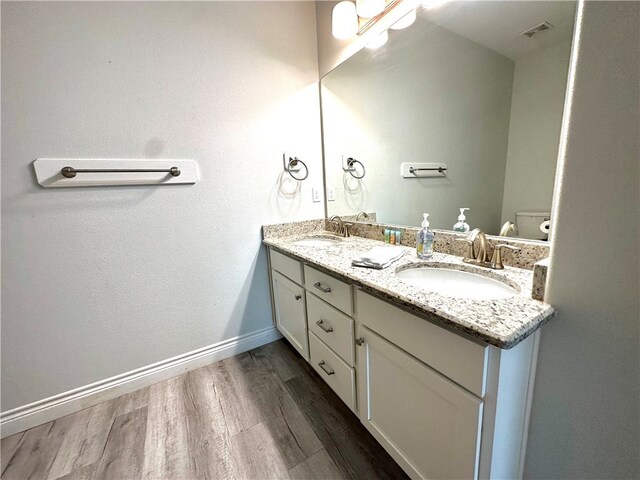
(344, 20)
(350, 19)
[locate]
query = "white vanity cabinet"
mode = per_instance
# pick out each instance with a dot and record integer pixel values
(443, 405)
(314, 311)
(430, 425)
(289, 301)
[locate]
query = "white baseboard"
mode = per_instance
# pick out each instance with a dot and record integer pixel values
(42, 411)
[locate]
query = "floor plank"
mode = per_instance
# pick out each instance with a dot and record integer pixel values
(209, 447)
(355, 452)
(85, 441)
(317, 467)
(8, 446)
(256, 454)
(83, 473)
(166, 443)
(281, 359)
(251, 394)
(124, 451)
(132, 401)
(237, 379)
(37, 450)
(296, 439)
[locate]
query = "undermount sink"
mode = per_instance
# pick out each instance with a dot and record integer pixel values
(317, 242)
(456, 283)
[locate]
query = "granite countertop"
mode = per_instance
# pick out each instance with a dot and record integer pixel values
(503, 323)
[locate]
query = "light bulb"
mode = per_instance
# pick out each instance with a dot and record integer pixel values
(378, 40)
(405, 21)
(344, 20)
(370, 8)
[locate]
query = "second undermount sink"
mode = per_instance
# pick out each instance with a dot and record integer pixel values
(456, 283)
(325, 241)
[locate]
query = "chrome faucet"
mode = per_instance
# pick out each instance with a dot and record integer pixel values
(508, 227)
(361, 216)
(342, 226)
(481, 258)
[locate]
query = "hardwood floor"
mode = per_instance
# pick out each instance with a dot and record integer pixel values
(264, 414)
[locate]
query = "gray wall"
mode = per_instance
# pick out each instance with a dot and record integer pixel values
(429, 95)
(539, 86)
(100, 281)
(585, 418)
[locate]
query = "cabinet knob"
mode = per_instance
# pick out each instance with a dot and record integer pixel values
(360, 341)
(298, 297)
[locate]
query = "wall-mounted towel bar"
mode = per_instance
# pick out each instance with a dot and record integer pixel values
(439, 170)
(71, 172)
(103, 172)
(422, 170)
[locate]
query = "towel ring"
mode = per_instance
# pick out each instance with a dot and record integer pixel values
(350, 168)
(293, 162)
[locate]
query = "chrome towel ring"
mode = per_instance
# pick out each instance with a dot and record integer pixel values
(293, 162)
(351, 168)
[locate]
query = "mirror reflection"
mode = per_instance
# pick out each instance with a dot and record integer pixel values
(463, 109)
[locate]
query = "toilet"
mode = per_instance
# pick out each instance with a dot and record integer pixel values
(528, 224)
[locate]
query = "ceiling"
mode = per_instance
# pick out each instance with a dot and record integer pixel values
(498, 25)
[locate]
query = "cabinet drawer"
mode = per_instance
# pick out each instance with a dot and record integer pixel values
(338, 375)
(460, 359)
(287, 266)
(333, 327)
(330, 289)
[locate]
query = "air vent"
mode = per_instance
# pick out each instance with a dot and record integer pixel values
(537, 29)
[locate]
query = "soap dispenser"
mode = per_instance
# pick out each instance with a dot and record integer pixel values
(424, 240)
(461, 226)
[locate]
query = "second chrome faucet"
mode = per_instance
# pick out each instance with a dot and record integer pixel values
(343, 226)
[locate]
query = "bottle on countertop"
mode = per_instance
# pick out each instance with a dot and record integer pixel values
(424, 240)
(461, 226)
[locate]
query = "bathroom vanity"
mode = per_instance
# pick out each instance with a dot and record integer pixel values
(442, 382)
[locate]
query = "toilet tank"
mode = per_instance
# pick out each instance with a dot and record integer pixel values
(528, 224)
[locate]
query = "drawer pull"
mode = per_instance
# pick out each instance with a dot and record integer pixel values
(328, 371)
(298, 297)
(326, 329)
(319, 286)
(360, 341)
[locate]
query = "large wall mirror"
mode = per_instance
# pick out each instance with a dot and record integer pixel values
(476, 88)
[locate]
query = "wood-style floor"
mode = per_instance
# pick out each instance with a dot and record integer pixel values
(264, 414)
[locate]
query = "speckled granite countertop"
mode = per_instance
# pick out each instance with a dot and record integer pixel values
(503, 323)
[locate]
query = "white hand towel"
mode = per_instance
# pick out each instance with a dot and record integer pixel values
(378, 257)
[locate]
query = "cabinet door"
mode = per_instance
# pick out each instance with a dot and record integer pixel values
(291, 318)
(427, 423)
